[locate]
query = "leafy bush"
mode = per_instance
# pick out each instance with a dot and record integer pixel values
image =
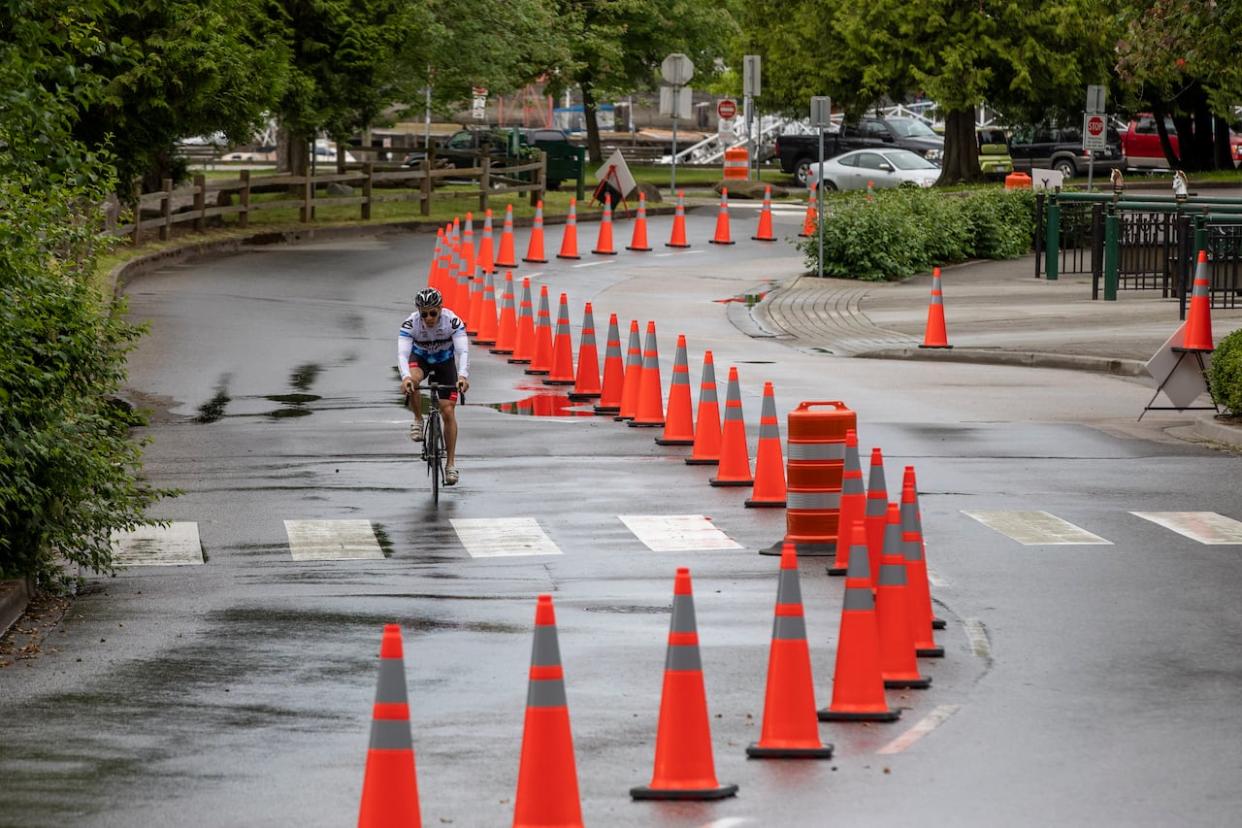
(900, 232)
(1226, 373)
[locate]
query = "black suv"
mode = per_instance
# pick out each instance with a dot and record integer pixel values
(798, 152)
(1060, 148)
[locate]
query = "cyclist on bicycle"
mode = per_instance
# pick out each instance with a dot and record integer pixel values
(432, 343)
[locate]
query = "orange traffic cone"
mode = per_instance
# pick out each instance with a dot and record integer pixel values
(722, 220)
(765, 233)
(877, 508)
(603, 243)
(547, 787)
(811, 221)
(857, 683)
(706, 451)
(650, 411)
(506, 329)
(505, 258)
(541, 361)
(569, 237)
(462, 304)
(1198, 335)
(917, 586)
(633, 375)
(562, 372)
(534, 248)
(586, 383)
(524, 346)
(467, 246)
(917, 530)
(475, 314)
(734, 468)
(638, 241)
(679, 423)
(935, 335)
(614, 371)
(684, 767)
(390, 783)
(678, 237)
(853, 502)
(790, 725)
(769, 464)
(487, 252)
(489, 326)
(433, 270)
(892, 607)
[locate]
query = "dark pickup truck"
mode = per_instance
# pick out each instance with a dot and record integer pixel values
(798, 152)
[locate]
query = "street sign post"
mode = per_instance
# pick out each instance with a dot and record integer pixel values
(751, 71)
(821, 118)
(726, 110)
(1094, 127)
(677, 70)
(1095, 99)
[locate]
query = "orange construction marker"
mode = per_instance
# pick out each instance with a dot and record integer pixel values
(505, 257)
(935, 335)
(534, 248)
(506, 333)
(614, 370)
(562, 372)
(684, 766)
(524, 347)
(679, 423)
(487, 257)
(586, 382)
(892, 606)
(765, 233)
(853, 502)
(1198, 331)
(541, 362)
(769, 490)
(569, 237)
(633, 375)
(722, 220)
(876, 511)
(706, 451)
(734, 467)
(922, 619)
(603, 244)
(638, 242)
(650, 411)
(678, 237)
(489, 327)
(390, 783)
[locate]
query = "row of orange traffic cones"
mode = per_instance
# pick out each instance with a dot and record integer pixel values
(876, 649)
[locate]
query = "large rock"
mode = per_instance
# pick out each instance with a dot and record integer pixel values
(750, 189)
(336, 188)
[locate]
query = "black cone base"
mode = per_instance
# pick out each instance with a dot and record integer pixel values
(688, 794)
(638, 249)
(827, 715)
(764, 238)
(804, 550)
(636, 424)
(936, 347)
(681, 246)
(501, 351)
(482, 342)
(938, 624)
(837, 571)
(907, 684)
(930, 652)
(560, 256)
(660, 441)
(765, 504)
(756, 752)
(588, 395)
(713, 241)
(697, 461)
(535, 373)
(531, 261)
(511, 265)
(558, 382)
(607, 410)
(519, 362)
(604, 252)
(621, 418)
(720, 483)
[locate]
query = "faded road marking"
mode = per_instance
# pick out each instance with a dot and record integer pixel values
(921, 728)
(678, 533)
(1204, 527)
(678, 253)
(978, 637)
(936, 579)
(174, 545)
(332, 540)
(729, 822)
(503, 537)
(1038, 529)
(593, 264)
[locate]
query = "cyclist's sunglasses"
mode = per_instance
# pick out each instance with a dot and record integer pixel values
(429, 313)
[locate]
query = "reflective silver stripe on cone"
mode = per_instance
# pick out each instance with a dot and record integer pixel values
(936, 300)
(708, 395)
(588, 338)
(683, 615)
(391, 687)
(562, 327)
(709, 375)
(892, 539)
(912, 550)
(683, 657)
(892, 575)
(768, 430)
(732, 412)
(860, 563)
(875, 482)
(789, 628)
(812, 500)
(649, 352)
(816, 451)
(544, 311)
(633, 356)
(876, 507)
(613, 351)
(680, 378)
(391, 734)
(858, 598)
(546, 693)
(545, 652)
(788, 590)
(852, 485)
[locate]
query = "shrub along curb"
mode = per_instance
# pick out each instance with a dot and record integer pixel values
(193, 247)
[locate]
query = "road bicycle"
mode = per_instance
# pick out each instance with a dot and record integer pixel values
(434, 450)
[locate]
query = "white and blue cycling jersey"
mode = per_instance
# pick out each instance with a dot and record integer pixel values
(433, 344)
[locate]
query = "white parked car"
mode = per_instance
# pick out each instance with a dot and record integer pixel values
(882, 167)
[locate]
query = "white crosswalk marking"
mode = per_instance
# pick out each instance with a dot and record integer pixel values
(503, 537)
(678, 533)
(332, 540)
(174, 545)
(921, 728)
(1204, 527)
(1038, 529)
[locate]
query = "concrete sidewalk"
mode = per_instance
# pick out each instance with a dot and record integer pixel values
(995, 312)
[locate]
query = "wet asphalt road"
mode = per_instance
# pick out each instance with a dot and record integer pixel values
(1084, 685)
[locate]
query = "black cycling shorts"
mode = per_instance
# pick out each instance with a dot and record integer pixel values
(441, 373)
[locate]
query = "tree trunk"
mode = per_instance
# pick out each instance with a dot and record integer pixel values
(340, 153)
(1186, 148)
(594, 151)
(1204, 138)
(292, 152)
(1158, 113)
(1224, 152)
(961, 148)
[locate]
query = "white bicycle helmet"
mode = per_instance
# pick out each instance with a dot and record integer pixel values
(428, 298)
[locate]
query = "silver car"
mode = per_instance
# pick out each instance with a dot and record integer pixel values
(881, 167)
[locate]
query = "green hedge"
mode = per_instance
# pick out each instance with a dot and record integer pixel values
(901, 232)
(1226, 373)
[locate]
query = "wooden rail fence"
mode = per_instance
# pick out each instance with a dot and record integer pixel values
(305, 196)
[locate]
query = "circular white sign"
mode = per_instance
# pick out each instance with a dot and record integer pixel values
(677, 69)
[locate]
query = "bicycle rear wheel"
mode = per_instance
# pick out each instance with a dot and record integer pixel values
(434, 448)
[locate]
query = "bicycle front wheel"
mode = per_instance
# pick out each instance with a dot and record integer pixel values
(433, 456)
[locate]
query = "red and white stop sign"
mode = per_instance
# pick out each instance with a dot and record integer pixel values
(1095, 125)
(727, 110)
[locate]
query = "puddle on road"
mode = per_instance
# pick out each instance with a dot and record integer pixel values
(213, 409)
(547, 405)
(304, 376)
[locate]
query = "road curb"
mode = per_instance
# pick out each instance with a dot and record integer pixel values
(14, 597)
(1210, 428)
(120, 275)
(1030, 359)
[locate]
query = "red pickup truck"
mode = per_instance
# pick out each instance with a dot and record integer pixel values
(1140, 144)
